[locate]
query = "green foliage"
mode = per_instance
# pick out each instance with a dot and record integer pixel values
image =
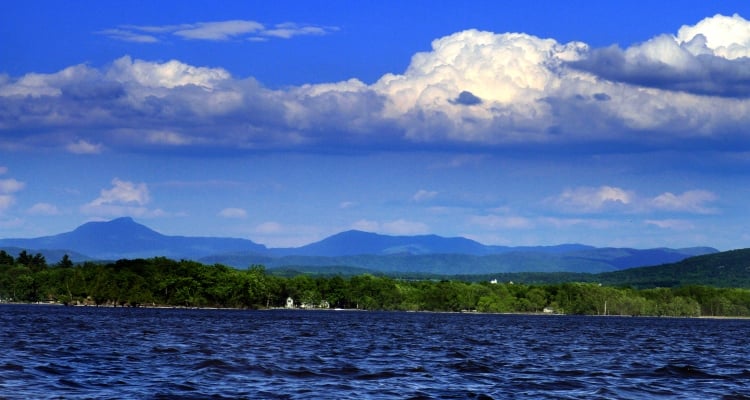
(35, 262)
(165, 282)
(5, 258)
(726, 269)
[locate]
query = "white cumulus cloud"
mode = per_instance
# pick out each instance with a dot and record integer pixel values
(124, 198)
(609, 198)
(692, 201)
(123, 192)
(510, 73)
(84, 147)
(725, 36)
(711, 57)
(233, 212)
(8, 186)
(39, 85)
(593, 199)
(168, 74)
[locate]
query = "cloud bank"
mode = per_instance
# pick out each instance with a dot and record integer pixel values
(473, 90)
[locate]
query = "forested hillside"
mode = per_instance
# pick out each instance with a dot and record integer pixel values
(725, 269)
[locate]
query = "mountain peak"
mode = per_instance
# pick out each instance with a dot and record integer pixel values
(125, 238)
(118, 228)
(117, 221)
(356, 242)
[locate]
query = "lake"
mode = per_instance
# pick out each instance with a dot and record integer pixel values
(90, 352)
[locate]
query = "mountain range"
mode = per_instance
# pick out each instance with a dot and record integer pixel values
(124, 238)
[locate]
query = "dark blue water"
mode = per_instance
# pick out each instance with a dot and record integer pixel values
(80, 352)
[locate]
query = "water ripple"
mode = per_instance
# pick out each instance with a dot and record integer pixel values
(61, 352)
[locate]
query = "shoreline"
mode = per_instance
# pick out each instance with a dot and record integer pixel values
(167, 307)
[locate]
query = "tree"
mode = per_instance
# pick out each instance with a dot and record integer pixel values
(257, 289)
(492, 303)
(64, 262)
(581, 298)
(537, 299)
(6, 259)
(374, 293)
(334, 290)
(301, 288)
(35, 262)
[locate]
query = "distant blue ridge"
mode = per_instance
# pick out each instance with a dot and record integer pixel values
(125, 238)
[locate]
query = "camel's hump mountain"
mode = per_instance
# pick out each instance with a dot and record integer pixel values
(125, 238)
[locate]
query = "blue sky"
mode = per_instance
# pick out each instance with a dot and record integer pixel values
(604, 123)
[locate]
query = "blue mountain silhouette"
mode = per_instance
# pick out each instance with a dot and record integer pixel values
(125, 238)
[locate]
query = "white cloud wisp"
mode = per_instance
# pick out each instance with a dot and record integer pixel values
(214, 31)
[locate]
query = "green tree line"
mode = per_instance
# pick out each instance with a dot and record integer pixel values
(166, 282)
